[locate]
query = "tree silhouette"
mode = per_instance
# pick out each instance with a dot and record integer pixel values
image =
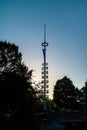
(16, 92)
(84, 97)
(65, 94)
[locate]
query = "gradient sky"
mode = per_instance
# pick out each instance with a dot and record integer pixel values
(21, 22)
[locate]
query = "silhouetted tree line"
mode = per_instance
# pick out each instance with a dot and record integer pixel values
(69, 98)
(20, 100)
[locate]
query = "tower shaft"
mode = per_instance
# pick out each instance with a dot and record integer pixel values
(44, 66)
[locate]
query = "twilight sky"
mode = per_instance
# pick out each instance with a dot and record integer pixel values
(21, 22)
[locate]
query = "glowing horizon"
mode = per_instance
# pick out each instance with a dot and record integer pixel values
(22, 23)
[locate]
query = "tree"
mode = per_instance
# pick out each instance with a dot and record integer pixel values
(65, 94)
(38, 107)
(84, 97)
(17, 96)
(79, 94)
(16, 91)
(10, 58)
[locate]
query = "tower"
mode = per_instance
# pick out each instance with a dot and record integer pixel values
(45, 70)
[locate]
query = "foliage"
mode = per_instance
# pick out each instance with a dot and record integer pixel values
(65, 94)
(38, 105)
(84, 91)
(16, 92)
(10, 58)
(84, 97)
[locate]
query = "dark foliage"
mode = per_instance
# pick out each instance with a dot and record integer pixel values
(65, 95)
(17, 95)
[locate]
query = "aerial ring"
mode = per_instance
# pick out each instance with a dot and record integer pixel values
(44, 44)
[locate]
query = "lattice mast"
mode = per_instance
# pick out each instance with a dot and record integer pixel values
(45, 70)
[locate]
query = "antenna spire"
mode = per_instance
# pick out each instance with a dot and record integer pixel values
(44, 44)
(44, 32)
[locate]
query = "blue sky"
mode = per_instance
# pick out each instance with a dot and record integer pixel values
(21, 22)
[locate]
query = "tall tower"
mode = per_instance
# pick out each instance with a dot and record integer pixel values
(45, 70)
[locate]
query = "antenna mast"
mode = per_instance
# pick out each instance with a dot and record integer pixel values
(44, 32)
